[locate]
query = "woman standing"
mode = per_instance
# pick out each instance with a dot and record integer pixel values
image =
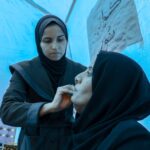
(28, 102)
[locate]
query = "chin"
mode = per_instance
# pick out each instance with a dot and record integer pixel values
(54, 59)
(74, 99)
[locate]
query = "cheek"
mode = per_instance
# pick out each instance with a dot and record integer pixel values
(88, 85)
(46, 49)
(62, 49)
(43, 47)
(82, 96)
(62, 46)
(87, 91)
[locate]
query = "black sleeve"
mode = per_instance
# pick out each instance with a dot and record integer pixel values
(15, 110)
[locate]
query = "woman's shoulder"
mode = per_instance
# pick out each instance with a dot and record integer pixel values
(129, 125)
(129, 129)
(26, 64)
(129, 134)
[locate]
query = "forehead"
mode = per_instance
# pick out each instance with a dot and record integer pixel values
(53, 29)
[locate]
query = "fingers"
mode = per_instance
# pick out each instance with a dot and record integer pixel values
(62, 97)
(69, 87)
(66, 89)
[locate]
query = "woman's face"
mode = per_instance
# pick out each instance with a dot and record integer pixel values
(83, 90)
(53, 42)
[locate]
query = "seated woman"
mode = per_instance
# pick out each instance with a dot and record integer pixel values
(110, 99)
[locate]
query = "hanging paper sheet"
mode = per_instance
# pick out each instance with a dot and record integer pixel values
(112, 26)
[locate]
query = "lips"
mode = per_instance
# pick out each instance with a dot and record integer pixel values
(54, 53)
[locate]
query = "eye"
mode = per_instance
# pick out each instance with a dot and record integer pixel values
(47, 40)
(60, 39)
(90, 71)
(77, 80)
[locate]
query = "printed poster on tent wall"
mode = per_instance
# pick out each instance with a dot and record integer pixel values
(112, 25)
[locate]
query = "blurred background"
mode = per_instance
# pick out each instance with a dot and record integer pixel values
(19, 17)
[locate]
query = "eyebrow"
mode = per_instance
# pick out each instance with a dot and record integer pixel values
(48, 37)
(61, 35)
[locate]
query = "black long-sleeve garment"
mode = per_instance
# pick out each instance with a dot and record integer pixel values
(29, 89)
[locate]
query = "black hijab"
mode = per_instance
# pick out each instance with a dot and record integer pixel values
(55, 69)
(121, 91)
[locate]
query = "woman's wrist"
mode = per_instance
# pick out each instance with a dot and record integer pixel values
(47, 108)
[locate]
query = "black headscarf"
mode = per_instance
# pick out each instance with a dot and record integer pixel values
(55, 69)
(121, 91)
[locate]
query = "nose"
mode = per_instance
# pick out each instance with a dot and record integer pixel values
(77, 80)
(54, 45)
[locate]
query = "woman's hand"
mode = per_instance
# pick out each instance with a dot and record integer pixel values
(60, 102)
(62, 97)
